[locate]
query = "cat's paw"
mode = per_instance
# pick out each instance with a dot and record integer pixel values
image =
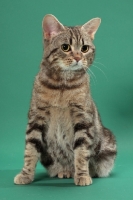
(65, 174)
(82, 180)
(22, 179)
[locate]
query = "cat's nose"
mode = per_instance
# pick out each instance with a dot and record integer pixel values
(77, 58)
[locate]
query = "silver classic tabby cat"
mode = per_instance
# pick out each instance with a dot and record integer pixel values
(64, 130)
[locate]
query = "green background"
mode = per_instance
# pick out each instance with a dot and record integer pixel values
(112, 89)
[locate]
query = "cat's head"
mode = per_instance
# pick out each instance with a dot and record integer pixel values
(69, 48)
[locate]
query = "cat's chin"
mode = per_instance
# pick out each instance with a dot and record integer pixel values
(75, 67)
(72, 68)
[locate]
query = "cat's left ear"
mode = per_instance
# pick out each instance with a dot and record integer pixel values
(92, 26)
(51, 26)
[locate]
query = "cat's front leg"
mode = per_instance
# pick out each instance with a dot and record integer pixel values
(82, 151)
(33, 150)
(30, 159)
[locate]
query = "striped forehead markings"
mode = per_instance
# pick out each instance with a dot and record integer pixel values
(75, 35)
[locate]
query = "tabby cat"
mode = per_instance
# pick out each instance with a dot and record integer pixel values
(64, 129)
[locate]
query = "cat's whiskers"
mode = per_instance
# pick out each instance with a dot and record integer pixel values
(92, 76)
(100, 63)
(86, 70)
(101, 71)
(97, 58)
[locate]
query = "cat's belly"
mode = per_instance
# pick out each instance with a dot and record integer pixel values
(60, 136)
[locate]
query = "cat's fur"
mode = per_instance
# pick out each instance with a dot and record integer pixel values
(64, 130)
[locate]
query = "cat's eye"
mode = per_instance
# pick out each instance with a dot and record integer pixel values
(85, 48)
(65, 47)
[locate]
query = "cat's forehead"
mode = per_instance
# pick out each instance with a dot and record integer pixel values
(74, 36)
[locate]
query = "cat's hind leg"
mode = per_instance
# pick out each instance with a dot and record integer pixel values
(65, 174)
(105, 156)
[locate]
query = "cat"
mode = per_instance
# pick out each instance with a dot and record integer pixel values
(64, 129)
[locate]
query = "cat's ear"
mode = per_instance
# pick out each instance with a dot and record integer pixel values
(51, 26)
(92, 26)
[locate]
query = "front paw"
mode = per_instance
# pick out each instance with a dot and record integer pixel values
(22, 179)
(82, 180)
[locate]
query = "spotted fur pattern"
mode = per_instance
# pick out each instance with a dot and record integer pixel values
(64, 130)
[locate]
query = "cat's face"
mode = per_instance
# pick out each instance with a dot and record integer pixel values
(68, 48)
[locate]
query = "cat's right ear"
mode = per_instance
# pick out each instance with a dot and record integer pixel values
(51, 26)
(92, 26)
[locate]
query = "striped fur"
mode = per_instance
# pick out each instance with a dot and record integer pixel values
(64, 130)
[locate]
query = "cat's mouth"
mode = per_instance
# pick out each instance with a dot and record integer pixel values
(76, 65)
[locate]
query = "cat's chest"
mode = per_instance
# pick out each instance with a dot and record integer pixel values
(60, 133)
(61, 99)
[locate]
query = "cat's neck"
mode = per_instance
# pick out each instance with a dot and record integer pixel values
(58, 79)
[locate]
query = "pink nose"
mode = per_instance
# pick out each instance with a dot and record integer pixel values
(77, 58)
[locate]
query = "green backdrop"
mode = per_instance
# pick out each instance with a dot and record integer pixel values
(111, 85)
